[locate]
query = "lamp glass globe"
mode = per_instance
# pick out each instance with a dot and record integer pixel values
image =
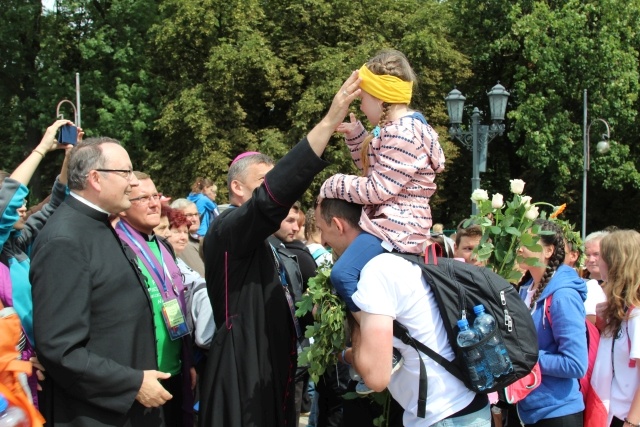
(602, 147)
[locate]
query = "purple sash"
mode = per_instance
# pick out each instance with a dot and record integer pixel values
(174, 286)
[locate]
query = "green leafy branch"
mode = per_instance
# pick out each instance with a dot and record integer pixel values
(327, 331)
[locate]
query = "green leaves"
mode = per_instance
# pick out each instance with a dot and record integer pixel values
(328, 329)
(512, 230)
(188, 84)
(546, 53)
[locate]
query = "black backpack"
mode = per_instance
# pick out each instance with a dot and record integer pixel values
(457, 288)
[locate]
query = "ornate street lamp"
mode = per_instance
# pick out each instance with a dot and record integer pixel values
(478, 138)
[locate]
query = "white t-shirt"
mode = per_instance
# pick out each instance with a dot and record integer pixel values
(626, 379)
(529, 297)
(595, 295)
(394, 287)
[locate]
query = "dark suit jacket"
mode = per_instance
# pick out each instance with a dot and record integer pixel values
(93, 322)
(306, 262)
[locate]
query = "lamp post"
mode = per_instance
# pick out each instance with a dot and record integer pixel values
(76, 111)
(602, 147)
(478, 138)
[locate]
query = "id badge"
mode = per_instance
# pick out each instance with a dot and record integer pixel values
(174, 319)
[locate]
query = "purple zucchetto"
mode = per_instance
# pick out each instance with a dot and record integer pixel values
(243, 155)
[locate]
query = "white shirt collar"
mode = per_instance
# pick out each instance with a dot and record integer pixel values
(88, 203)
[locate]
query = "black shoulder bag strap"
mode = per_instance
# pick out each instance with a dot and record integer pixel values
(401, 332)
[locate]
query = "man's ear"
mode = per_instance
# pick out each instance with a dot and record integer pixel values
(236, 189)
(94, 180)
(339, 223)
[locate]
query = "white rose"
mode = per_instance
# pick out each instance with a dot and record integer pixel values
(497, 201)
(526, 201)
(517, 186)
(479, 195)
(532, 213)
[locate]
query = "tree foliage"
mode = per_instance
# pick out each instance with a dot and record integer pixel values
(547, 54)
(250, 77)
(186, 85)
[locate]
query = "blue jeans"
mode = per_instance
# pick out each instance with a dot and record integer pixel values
(481, 418)
(313, 413)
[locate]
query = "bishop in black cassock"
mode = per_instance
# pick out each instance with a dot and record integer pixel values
(249, 376)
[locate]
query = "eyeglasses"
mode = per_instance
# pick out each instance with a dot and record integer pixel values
(145, 199)
(128, 173)
(190, 215)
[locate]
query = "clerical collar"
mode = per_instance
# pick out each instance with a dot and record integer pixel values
(148, 237)
(88, 203)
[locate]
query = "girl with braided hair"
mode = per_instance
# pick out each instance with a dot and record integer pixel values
(563, 346)
(616, 374)
(398, 160)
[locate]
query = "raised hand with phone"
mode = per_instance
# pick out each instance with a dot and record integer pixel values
(48, 143)
(13, 206)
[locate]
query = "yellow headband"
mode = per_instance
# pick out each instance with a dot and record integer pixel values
(387, 88)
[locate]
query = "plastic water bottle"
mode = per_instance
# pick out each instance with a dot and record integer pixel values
(11, 416)
(494, 349)
(481, 377)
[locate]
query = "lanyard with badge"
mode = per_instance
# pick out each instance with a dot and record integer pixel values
(171, 310)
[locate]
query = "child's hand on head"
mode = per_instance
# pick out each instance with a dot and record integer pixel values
(345, 127)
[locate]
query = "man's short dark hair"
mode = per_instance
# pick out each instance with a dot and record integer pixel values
(336, 208)
(471, 230)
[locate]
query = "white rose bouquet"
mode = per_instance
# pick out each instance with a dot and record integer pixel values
(506, 225)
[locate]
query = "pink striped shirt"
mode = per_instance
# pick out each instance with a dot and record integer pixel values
(395, 193)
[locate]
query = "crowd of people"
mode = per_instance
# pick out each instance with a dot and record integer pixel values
(138, 309)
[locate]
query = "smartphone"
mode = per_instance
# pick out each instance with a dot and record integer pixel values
(68, 135)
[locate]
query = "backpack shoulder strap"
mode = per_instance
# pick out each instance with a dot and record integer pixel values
(632, 362)
(431, 254)
(198, 287)
(547, 309)
(320, 251)
(401, 332)
(419, 116)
